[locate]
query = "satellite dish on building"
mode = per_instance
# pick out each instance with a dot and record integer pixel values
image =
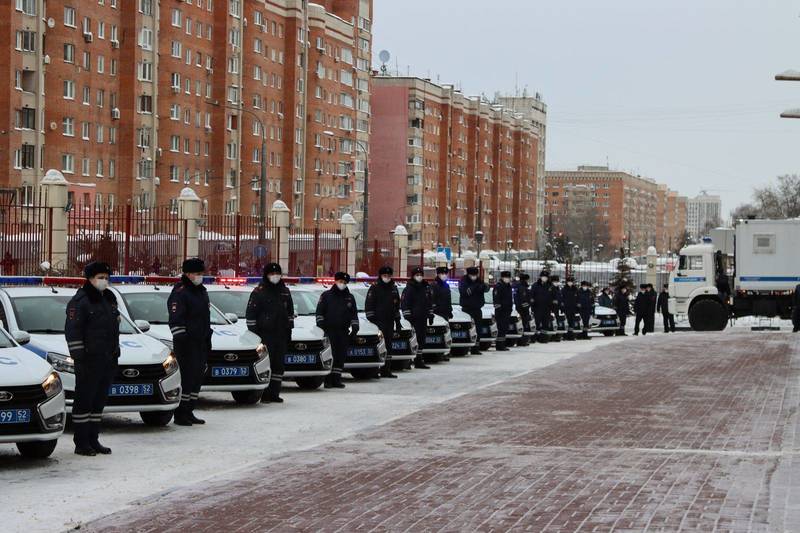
(384, 56)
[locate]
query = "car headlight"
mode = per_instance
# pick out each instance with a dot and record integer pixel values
(52, 385)
(170, 364)
(61, 362)
(380, 336)
(325, 343)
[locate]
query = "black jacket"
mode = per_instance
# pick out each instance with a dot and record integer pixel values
(568, 299)
(522, 298)
(796, 297)
(650, 308)
(270, 310)
(604, 300)
(663, 302)
(622, 303)
(189, 313)
(416, 303)
(542, 296)
(442, 299)
(383, 304)
(585, 300)
(92, 324)
(503, 299)
(337, 311)
(472, 294)
(640, 303)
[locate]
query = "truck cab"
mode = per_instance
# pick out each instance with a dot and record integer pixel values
(697, 288)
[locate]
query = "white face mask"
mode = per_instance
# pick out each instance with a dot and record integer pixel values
(569, 284)
(585, 288)
(443, 277)
(544, 279)
(473, 278)
(100, 284)
(341, 285)
(274, 278)
(506, 280)
(197, 279)
(418, 278)
(386, 279)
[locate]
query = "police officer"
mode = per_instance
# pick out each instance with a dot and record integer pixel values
(382, 308)
(795, 310)
(604, 300)
(622, 304)
(522, 301)
(503, 298)
(190, 324)
(542, 295)
(663, 308)
(92, 333)
(270, 315)
(640, 309)
(417, 307)
(472, 291)
(585, 306)
(337, 316)
(442, 298)
(650, 310)
(569, 305)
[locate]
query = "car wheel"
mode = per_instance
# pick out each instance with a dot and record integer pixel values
(247, 397)
(156, 418)
(365, 373)
(609, 333)
(459, 352)
(38, 449)
(310, 382)
(485, 346)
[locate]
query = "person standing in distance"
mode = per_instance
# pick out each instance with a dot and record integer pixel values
(568, 302)
(442, 299)
(472, 295)
(503, 299)
(585, 306)
(522, 301)
(542, 295)
(382, 308)
(190, 324)
(663, 308)
(417, 308)
(640, 309)
(270, 315)
(652, 304)
(604, 300)
(92, 333)
(337, 316)
(622, 304)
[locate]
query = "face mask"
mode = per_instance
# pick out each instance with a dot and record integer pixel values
(569, 284)
(197, 280)
(386, 279)
(418, 278)
(473, 278)
(506, 280)
(585, 288)
(544, 279)
(274, 278)
(341, 286)
(443, 277)
(100, 284)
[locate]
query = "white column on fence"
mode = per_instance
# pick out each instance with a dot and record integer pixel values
(652, 270)
(401, 243)
(54, 189)
(281, 219)
(189, 227)
(348, 226)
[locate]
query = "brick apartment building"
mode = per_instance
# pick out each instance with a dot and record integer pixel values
(135, 99)
(446, 166)
(626, 209)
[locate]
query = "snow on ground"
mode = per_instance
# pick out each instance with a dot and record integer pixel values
(68, 490)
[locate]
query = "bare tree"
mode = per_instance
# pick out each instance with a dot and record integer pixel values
(779, 200)
(745, 211)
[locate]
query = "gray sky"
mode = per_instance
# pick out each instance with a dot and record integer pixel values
(682, 91)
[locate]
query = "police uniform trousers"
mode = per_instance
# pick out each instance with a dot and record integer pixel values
(477, 317)
(650, 322)
(572, 320)
(277, 345)
(586, 316)
(669, 321)
(503, 318)
(420, 329)
(192, 357)
(525, 315)
(388, 334)
(340, 342)
(542, 318)
(640, 319)
(93, 378)
(623, 319)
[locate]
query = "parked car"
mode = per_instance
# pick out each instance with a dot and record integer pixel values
(438, 341)
(487, 329)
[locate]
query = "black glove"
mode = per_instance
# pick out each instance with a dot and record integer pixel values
(430, 320)
(398, 326)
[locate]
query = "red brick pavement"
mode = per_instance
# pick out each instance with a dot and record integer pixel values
(663, 433)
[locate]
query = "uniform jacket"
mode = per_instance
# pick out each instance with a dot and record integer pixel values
(650, 308)
(383, 304)
(472, 293)
(663, 302)
(416, 302)
(92, 324)
(569, 299)
(604, 300)
(542, 296)
(640, 303)
(522, 297)
(189, 313)
(622, 303)
(442, 299)
(503, 298)
(337, 311)
(270, 310)
(585, 301)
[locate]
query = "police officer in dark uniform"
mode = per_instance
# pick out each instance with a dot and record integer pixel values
(542, 295)
(622, 305)
(640, 309)
(795, 310)
(522, 301)
(92, 333)
(662, 305)
(442, 298)
(417, 307)
(503, 299)
(604, 300)
(472, 291)
(337, 316)
(382, 308)
(190, 324)
(270, 315)
(585, 306)
(568, 303)
(650, 310)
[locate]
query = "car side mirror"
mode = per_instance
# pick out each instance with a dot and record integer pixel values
(22, 337)
(232, 317)
(143, 325)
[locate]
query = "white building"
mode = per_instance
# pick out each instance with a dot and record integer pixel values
(701, 210)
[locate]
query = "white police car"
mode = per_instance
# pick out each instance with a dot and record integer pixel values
(604, 320)
(308, 358)
(438, 340)
(487, 329)
(32, 412)
(147, 380)
(515, 328)
(233, 365)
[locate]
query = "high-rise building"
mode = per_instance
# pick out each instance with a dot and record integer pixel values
(449, 166)
(135, 99)
(703, 211)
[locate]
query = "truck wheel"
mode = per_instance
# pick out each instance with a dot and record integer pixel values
(365, 373)
(708, 315)
(247, 397)
(37, 449)
(310, 382)
(156, 418)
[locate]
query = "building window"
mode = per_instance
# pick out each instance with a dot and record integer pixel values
(26, 41)
(146, 71)
(25, 119)
(69, 89)
(26, 6)
(69, 16)
(146, 38)
(146, 7)
(68, 163)
(68, 127)
(145, 104)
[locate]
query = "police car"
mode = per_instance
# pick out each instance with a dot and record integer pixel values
(147, 381)
(233, 365)
(31, 399)
(438, 340)
(604, 320)
(308, 358)
(487, 329)
(402, 347)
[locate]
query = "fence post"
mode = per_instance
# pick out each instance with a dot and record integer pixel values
(55, 232)
(128, 230)
(189, 213)
(652, 271)
(317, 264)
(486, 265)
(281, 216)
(401, 244)
(348, 225)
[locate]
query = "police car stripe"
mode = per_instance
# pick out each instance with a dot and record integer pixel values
(80, 416)
(252, 322)
(278, 379)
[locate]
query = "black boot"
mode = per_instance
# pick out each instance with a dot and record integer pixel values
(81, 438)
(419, 362)
(181, 417)
(337, 381)
(194, 420)
(500, 346)
(94, 429)
(476, 350)
(386, 371)
(272, 394)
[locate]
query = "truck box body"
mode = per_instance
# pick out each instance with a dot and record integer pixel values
(767, 255)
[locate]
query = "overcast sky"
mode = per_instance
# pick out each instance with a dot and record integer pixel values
(681, 91)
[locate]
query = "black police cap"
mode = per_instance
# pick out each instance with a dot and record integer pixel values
(385, 271)
(524, 277)
(585, 284)
(442, 270)
(505, 274)
(473, 271)
(193, 265)
(544, 273)
(342, 276)
(272, 268)
(418, 270)
(571, 278)
(96, 267)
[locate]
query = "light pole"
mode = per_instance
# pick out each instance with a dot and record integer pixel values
(789, 75)
(365, 216)
(479, 241)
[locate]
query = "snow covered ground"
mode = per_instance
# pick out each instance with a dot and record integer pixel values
(68, 490)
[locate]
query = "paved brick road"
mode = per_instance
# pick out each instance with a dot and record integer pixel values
(662, 433)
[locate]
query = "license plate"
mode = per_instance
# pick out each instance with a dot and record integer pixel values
(15, 416)
(400, 345)
(307, 359)
(361, 352)
(130, 389)
(434, 339)
(460, 334)
(230, 371)
(608, 323)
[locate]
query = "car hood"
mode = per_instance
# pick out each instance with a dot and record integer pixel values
(137, 349)
(487, 311)
(225, 337)
(20, 367)
(599, 310)
(305, 329)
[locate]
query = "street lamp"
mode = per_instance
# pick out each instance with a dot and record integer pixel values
(364, 224)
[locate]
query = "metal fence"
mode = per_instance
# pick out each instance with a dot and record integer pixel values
(235, 245)
(376, 254)
(24, 242)
(314, 254)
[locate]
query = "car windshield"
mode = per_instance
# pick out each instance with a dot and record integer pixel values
(305, 302)
(360, 294)
(230, 301)
(47, 314)
(455, 296)
(5, 340)
(152, 306)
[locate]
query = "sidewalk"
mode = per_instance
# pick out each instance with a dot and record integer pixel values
(663, 433)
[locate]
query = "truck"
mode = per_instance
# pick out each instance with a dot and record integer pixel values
(749, 270)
